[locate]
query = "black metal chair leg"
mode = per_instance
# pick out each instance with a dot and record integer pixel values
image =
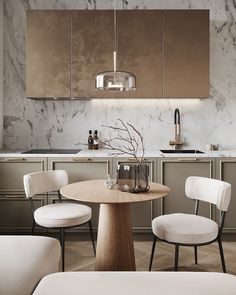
(92, 237)
(62, 240)
(32, 228)
(195, 254)
(222, 255)
(176, 256)
(152, 254)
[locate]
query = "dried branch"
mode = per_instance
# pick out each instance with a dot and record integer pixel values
(140, 136)
(126, 141)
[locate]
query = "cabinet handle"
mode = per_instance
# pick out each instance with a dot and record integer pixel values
(82, 160)
(16, 197)
(188, 159)
(133, 160)
(14, 159)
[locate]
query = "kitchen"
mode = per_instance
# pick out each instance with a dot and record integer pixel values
(51, 120)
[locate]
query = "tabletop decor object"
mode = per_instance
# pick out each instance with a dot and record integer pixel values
(109, 182)
(134, 177)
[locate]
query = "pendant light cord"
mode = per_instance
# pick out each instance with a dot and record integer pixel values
(115, 53)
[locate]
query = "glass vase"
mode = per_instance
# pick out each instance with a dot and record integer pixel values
(132, 178)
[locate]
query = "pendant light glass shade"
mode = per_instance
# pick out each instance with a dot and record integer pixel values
(115, 80)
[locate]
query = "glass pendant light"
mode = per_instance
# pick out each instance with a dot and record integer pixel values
(115, 80)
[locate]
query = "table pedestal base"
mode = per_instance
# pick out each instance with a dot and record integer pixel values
(115, 249)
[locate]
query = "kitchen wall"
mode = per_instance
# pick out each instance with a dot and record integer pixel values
(61, 124)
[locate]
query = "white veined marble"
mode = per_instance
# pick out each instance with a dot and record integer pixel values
(63, 124)
(102, 153)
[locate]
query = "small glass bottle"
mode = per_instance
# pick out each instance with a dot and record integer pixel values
(95, 140)
(90, 140)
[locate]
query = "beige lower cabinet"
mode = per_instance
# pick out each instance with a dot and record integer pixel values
(12, 171)
(226, 171)
(81, 169)
(16, 214)
(142, 213)
(173, 172)
(15, 210)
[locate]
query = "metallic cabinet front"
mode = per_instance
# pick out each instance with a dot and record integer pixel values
(167, 50)
(92, 51)
(140, 50)
(186, 53)
(48, 54)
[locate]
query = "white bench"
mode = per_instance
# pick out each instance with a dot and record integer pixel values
(25, 260)
(137, 283)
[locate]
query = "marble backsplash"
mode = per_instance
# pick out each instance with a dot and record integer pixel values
(63, 124)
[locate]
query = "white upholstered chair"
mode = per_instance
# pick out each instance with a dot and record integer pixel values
(191, 229)
(59, 215)
(137, 283)
(25, 260)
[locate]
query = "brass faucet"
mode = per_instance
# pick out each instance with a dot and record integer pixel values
(177, 140)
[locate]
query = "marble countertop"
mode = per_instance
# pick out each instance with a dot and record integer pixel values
(106, 153)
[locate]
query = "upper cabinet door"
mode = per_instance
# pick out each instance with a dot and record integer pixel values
(186, 53)
(92, 51)
(140, 42)
(48, 54)
(167, 51)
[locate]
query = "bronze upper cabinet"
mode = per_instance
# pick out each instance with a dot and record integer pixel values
(48, 54)
(168, 51)
(92, 50)
(139, 51)
(186, 53)
(140, 42)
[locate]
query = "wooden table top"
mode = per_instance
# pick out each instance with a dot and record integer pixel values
(94, 191)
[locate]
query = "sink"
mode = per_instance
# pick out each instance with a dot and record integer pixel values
(182, 152)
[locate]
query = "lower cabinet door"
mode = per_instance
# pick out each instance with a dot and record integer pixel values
(173, 173)
(226, 171)
(81, 169)
(12, 170)
(142, 213)
(16, 215)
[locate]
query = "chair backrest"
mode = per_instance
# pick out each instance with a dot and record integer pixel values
(44, 182)
(209, 190)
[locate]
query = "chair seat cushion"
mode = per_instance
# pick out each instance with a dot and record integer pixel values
(185, 228)
(25, 260)
(137, 283)
(62, 215)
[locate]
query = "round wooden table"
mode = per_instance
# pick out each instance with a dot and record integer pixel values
(115, 249)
